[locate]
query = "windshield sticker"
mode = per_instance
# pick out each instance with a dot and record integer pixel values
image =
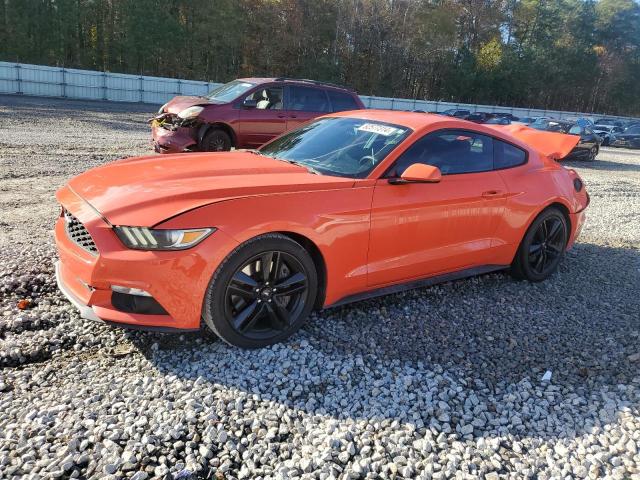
(379, 129)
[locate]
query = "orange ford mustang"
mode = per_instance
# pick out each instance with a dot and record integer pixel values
(352, 205)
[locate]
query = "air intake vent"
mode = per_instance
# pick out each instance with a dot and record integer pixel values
(78, 233)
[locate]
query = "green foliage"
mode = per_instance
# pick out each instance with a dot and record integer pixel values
(558, 54)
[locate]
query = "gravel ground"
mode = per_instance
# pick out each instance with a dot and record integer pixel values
(444, 382)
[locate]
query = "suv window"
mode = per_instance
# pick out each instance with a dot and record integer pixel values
(507, 156)
(308, 99)
(342, 101)
(269, 98)
(452, 151)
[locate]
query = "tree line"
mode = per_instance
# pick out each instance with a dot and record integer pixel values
(557, 54)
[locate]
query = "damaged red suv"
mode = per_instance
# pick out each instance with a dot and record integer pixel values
(245, 113)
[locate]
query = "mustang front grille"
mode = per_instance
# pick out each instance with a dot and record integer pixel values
(78, 233)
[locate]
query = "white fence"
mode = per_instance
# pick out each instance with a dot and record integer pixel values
(86, 84)
(25, 79)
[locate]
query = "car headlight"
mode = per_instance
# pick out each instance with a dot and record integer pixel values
(143, 238)
(163, 107)
(191, 112)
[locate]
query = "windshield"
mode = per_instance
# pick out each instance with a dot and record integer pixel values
(602, 128)
(229, 91)
(345, 147)
(575, 130)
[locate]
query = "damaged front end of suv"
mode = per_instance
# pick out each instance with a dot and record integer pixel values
(176, 132)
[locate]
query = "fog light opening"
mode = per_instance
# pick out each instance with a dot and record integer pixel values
(130, 291)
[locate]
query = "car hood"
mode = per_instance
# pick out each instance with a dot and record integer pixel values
(180, 103)
(145, 191)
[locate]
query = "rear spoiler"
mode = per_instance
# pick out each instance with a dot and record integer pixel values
(550, 144)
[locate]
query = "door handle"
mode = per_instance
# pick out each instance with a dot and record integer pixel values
(293, 116)
(281, 116)
(492, 193)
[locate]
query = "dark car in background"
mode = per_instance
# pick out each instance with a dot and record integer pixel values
(589, 144)
(607, 133)
(479, 117)
(498, 121)
(630, 138)
(509, 116)
(245, 113)
(454, 112)
(524, 120)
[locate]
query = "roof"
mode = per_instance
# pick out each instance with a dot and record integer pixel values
(259, 80)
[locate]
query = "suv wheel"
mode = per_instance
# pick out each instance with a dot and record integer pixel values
(216, 140)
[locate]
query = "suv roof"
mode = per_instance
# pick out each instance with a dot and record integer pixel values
(259, 80)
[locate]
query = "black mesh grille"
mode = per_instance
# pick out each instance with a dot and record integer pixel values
(78, 233)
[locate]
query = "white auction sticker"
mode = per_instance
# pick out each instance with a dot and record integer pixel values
(377, 128)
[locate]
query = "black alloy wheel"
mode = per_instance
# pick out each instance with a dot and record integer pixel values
(593, 153)
(265, 294)
(262, 293)
(542, 247)
(547, 245)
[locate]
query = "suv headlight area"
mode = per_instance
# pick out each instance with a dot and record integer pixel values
(191, 112)
(143, 238)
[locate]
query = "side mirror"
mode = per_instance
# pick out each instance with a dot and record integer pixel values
(419, 173)
(249, 103)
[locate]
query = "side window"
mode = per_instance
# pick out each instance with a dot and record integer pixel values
(575, 130)
(507, 156)
(342, 101)
(308, 99)
(269, 98)
(452, 151)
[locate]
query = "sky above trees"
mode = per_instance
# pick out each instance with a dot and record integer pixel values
(563, 54)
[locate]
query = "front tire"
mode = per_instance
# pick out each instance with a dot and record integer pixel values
(593, 153)
(262, 293)
(216, 140)
(542, 247)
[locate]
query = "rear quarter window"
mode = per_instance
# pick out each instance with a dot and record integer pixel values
(507, 155)
(342, 101)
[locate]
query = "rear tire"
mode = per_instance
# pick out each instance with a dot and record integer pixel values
(262, 293)
(542, 247)
(216, 140)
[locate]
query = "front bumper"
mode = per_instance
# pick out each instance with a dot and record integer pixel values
(182, 139)
(85, 310)
(177, 280)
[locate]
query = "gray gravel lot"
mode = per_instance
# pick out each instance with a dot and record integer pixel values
(443, 382)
